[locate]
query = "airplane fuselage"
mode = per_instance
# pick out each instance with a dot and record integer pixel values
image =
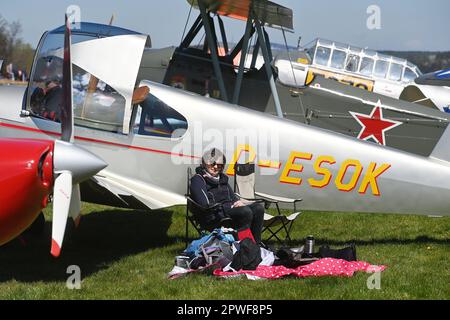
(331, 172)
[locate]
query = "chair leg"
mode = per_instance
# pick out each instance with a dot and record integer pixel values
(287, 232)
(273, 233)
(289, 228)
(267, 228)
(186, 239)
(276, 232)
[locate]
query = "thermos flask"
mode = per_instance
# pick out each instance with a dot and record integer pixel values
(309, 246)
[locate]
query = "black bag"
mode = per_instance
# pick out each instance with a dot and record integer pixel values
(291, 258)
(248, 257)
(347, 253)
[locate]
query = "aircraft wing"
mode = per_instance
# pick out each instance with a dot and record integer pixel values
(137, 194)
(268, 12)
(438, 78)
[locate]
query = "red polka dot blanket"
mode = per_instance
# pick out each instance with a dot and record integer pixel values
(320, 268)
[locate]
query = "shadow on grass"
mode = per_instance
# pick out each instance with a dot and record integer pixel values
(102, 238)
(334, 242)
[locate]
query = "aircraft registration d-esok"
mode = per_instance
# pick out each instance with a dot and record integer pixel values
(284, 84)
(151, 135)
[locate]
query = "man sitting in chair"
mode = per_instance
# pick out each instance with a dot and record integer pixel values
(210, 186)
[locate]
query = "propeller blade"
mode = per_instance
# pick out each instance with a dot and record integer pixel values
(62, 195)
(67, 103)
(75, 205)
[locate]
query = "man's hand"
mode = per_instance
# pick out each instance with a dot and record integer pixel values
(238, 204)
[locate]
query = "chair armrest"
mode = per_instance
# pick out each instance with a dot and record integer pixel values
(275, 199)
(202, 208)
(249, 199)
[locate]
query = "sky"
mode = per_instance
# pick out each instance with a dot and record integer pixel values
(403, 24)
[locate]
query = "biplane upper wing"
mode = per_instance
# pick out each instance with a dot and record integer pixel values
(268, 12)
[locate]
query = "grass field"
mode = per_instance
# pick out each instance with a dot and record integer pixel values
(127, 254)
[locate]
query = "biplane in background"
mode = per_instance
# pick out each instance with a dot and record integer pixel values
(283, 84)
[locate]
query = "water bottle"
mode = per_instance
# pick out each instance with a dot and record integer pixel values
(309, 246)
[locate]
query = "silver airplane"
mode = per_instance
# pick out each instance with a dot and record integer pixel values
(149, 134)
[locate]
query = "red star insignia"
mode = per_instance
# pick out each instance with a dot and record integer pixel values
(374, 125)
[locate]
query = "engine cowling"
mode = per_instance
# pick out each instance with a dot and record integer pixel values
(26, 181)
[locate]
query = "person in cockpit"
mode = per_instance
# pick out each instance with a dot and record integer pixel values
(47, 94)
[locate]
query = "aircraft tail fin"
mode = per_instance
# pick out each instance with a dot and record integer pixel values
(442, 149)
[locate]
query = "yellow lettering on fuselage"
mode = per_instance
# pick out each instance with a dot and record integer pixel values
(322, 171)
(237, 157)
(292, 166)
(371, 176)
(347, 178)
(343, 172)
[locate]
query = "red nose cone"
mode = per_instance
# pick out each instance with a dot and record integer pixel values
(26, 180)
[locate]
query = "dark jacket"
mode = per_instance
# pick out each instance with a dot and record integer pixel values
(208, 192)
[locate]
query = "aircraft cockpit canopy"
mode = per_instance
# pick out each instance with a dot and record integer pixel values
(346, 58)
(101, 98)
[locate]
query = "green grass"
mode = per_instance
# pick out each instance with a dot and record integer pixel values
(127, 254)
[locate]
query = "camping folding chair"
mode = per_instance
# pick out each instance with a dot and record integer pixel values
(195, 213)
(244, 186)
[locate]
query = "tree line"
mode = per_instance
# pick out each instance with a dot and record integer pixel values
(13, 49)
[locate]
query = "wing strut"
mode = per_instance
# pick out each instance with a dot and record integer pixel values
(213, 48)
(237, 88)
(253, 22)
(267, 63)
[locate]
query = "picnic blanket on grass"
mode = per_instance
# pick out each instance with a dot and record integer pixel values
(321, 268)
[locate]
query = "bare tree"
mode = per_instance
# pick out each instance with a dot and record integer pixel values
(12, 48)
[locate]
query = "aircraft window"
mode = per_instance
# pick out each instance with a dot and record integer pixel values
(366, 66)
(322, 56)
(155, 118)
(381, 69)
(338, 59)
(96, 104)
(409, 75)
(395, 74)
(352, 63)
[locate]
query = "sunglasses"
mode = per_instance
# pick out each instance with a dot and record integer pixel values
(219, 165)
